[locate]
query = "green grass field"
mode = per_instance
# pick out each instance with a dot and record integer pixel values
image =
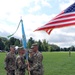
(55, 63)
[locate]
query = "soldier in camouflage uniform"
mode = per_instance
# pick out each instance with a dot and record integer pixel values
(10, 61)
(37, 67)
(20, 62)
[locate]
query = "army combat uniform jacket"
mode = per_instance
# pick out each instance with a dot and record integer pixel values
(10, 63)
(37, 67)
(20, 65)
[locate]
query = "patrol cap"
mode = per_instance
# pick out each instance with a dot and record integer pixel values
(20, 48)
(35, 44)
(13, 46)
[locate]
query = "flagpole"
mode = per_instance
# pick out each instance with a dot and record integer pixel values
(24, 42)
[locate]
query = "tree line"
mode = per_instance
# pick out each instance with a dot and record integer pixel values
(42, 45)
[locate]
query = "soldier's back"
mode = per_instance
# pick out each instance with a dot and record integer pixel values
(37, 63)
(10, 61)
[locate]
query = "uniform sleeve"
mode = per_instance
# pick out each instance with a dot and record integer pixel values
(6, 60)
(38, 64)
(40, 59)
(20, 64)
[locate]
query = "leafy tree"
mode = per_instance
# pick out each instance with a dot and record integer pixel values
(30, 42)
(49, 48)
(65, 49)
(1, 44)
(4, 39)
(45, 45)
(72, 48)
(6, 48)
(17, 43)
(7, 45)
(54, 47)
(12, 40)
(40, 45)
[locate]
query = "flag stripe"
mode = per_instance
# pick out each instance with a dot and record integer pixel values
(65, 15)
(61, 21)
(57, 26)
(48, 30)
(65, 18)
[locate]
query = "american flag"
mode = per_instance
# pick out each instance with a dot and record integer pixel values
(65, 18)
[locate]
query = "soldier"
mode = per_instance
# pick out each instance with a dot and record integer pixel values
(37, 67)
(20, 62)
(10, 61)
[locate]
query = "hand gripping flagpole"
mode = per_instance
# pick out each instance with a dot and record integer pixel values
(24, 42)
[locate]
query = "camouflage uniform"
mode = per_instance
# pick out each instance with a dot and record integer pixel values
(20, 65)
(10, 63)
(37, 67)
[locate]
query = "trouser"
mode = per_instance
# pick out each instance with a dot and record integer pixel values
(12, 72)
(31, 72)
(37, 73)
(17, 72)
(21, 73)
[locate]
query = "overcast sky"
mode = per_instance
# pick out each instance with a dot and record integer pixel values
(35, 13)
